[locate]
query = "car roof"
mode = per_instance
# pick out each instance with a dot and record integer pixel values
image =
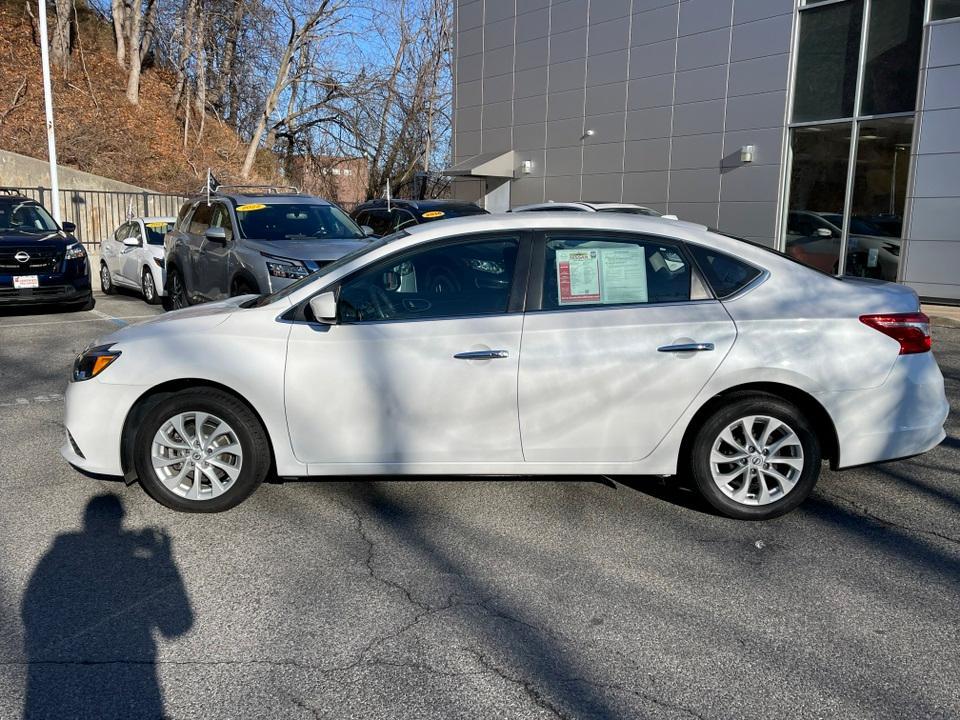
(419, 204)
(156, 218)
(585, 205)
(557, 220)
(267, 198)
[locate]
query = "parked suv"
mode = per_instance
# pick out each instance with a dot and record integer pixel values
(383, 219)
(40, 261)
(252, 241)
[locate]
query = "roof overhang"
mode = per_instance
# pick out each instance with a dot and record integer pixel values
(500, 165)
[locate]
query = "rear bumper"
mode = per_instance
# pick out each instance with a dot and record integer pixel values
(902, 417)
(94, 414)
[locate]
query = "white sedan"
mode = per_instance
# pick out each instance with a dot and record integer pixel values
(527, 344)
(133, 257)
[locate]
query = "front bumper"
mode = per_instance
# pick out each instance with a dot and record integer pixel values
(72, 286)
(94, 414)
(903, 417)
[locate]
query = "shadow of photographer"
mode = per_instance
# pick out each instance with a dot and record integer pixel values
(90, 614)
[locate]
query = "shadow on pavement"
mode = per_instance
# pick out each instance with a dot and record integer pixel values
(90, 611)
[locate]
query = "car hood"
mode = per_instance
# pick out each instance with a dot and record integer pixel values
(18, 239)
(192, 319)
(307, 248)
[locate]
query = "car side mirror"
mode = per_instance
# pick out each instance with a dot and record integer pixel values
(368, 231)
(217, 234)
(68, 226)
(824, 232)
(324, 308)
(131, 242)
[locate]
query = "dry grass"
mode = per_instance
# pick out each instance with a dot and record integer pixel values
(97, 129)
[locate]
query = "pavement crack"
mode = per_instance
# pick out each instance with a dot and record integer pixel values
(865, 511)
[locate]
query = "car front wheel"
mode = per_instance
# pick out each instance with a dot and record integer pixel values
(201, 451)
(176, 296)
(148, 287)
(756, 458)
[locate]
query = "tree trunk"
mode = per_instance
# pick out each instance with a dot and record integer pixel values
(149, 27)
(221, 92)
(60, 46)
(133, 42)
(186, 48)
(118, 13)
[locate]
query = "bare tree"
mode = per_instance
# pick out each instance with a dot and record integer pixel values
(61, 42)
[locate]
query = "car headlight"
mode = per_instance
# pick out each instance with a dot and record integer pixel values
(75, 251)
(290, 269)
(93, 361)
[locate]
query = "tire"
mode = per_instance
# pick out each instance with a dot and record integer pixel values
(788, 478)
(148, 288)
(189, 488)
(176, 297)
(106, 282)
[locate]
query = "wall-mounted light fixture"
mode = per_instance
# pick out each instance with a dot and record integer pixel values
(526, 167)
(747, 152)
(588, 133)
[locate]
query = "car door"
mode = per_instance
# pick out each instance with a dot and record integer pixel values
(410, 375)
(625, 337)
(213, 263)
(197, 283)
(111, 249)
(131, 257)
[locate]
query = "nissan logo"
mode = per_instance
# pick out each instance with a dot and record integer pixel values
(21, 257)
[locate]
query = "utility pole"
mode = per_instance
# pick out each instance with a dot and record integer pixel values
(48, 108)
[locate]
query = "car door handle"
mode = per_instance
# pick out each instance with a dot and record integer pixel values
(686, 347)
(482, 355)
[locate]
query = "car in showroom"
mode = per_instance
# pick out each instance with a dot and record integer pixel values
(385, 217)
(41, 262)
(240, 240)
(132, 257)
(583, 206)
(558, 344)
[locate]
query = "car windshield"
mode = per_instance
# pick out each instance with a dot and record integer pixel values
(325, 270)
(285, 221)
(156, 229)
(25, 217)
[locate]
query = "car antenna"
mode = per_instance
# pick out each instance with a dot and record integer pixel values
(388, 194)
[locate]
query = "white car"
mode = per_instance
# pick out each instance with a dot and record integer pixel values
(583, 206)
(528, 344)
(133, 257)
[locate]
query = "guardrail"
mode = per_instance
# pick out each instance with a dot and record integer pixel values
(98, 213)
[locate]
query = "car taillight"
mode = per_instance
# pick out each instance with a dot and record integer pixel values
(911, 330)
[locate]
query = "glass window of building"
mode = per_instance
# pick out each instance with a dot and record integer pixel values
(818, 180)
(944, 9)
(892, 59)
(827, 59)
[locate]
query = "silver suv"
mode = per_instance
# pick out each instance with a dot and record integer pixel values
(252, 241)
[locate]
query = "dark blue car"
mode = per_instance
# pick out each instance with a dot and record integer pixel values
(40, 262)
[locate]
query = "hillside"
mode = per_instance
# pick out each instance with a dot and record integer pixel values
(97, 130)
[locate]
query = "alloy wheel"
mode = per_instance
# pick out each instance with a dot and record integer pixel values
(756, 460)
(196, 455)
(149, 290)
(178, 294)
(105, 281)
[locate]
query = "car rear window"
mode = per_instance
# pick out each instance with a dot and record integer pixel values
(445, 212)
(725, 274)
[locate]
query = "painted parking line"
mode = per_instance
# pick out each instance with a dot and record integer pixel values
(35, 400)
(102, 316)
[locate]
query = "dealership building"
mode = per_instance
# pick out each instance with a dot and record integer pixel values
(829, 129)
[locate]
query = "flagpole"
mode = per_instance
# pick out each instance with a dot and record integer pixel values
(48, 110)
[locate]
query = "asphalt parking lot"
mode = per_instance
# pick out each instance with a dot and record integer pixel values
(441, 599)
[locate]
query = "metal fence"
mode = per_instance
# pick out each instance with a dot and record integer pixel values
(97, 213)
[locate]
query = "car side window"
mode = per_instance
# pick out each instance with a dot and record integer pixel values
(402, 219)
(135, 232)
(362, 218)
(121, 232)
(599, 271)
(726, 275)
(380, 221)
(471, 277)
(200, 221)
(221, 219)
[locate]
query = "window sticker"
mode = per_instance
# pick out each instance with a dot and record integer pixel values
(157, 224)
(250, 207)
(433, 214)
(578, 276)
(623, 275)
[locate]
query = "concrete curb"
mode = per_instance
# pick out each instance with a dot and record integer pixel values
(943, 315)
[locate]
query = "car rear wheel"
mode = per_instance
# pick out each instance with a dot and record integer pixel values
(106, 282)
(201, 451)
(148, 287)
(756, 458)
(176, 296)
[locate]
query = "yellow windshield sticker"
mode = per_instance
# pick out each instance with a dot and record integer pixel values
(433, 214)
(157, 224)
(250, 207)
